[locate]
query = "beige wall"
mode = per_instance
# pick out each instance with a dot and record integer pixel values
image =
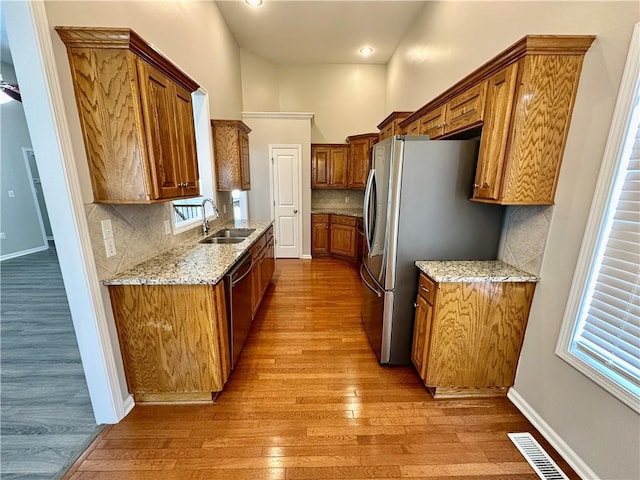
(278, 131)
(260, 89)
(433, 55)
(194, 36)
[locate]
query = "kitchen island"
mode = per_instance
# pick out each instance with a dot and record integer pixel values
(172, 320)
(469, 326)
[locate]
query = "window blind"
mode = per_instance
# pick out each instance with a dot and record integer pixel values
(608, 333)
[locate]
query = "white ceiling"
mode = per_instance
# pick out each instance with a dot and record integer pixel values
(328, 31)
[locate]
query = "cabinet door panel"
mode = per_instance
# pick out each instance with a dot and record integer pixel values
(339, 165)
(186, 143)
(319, 234)
(359, 163)
(495, 133)
(432, 123)
(343, 240)
(465, 110)
(244, 160)
(159, 122)
(320, 167)
(421, 331)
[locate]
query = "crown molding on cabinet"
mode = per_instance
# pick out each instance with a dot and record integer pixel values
(280, 115)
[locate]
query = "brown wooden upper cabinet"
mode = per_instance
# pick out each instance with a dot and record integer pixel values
(136, 117)
(391, 125)
(523, 100)
(360, 158)
(231, 154)
(329, 164)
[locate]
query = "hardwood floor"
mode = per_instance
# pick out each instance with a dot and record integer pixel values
(47, 419)
(308, 400)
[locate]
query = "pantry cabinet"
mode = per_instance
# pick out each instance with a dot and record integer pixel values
(136, 117)
(231, 154)
(520, 104)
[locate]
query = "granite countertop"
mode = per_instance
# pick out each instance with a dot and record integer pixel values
(474, 271)
(349, 212)
(191, 263)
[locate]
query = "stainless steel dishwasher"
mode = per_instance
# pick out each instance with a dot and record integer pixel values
(237, 284)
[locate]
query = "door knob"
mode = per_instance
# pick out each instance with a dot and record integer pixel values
(295, 211)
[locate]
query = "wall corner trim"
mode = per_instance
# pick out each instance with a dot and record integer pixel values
(552, 436)
(280, 115)
(128, 405)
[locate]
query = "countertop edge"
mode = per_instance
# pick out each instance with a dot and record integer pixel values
(458, 271)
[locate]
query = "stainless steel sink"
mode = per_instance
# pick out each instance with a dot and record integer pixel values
(222, 240)
(234, 233)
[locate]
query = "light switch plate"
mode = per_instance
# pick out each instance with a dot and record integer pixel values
(107, 229)
(2, 236)
(11, 194)
(110, 247)
(167, 227)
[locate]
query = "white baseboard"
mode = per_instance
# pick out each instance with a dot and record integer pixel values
(305, 257)
(128, 405)
(552, 437)
(23, 252)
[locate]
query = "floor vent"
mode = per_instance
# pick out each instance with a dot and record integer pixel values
(539, 460)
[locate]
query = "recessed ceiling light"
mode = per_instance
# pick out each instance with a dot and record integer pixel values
(253, 3)
(366, 51)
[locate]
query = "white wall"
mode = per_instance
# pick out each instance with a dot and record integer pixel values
(433, 55)
(19, 219)
(260, 89)
(274, 130)
(345, 99)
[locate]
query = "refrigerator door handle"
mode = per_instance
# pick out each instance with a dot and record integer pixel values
(367, 202)
(374, 290)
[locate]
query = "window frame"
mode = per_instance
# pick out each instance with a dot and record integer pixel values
(619, 145)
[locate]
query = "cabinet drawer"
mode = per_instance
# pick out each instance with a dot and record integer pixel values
(414, 128)
(386, 131)
(426, 288)
(343, 220)
(268, 235)
(465, 110)
(257, 247)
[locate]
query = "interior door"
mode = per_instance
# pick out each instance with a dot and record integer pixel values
(286, 201)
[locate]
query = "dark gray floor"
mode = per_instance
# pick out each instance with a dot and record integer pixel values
(46, 416)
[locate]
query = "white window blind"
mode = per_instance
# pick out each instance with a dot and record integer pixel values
(608, 332)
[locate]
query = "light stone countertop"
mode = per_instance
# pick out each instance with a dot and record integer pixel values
(191, 263)
(349, 212)
(474, 271)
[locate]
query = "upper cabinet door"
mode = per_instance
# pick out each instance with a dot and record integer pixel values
(320, 169)
(339, 166)
(159, 123)
(495, 133)
(359, 161)
(187, 158)
(466, 110)
(245, 169)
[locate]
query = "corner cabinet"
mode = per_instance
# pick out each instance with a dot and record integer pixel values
(136, 117)
(334, 235)
(522, 100)
(231, 154)
(467, 336)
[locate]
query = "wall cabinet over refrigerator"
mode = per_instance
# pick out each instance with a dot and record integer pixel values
(231, 154)
(360, 158)
(136, 117)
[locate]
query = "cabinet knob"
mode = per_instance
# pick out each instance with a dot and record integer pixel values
(476, 185)
(415, 305)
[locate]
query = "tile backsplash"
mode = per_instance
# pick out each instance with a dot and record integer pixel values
(336, 198)
(138, 231)
(524, 236)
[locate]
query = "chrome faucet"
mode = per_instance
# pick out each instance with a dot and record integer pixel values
(205, 223)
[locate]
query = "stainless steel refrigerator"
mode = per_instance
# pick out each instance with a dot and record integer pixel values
(416, 207)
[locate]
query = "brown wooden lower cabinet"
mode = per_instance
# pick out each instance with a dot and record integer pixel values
(263, 268)
(334, 235)
(174, 340)
(468, 335)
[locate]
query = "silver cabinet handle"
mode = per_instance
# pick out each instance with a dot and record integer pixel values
(425, 289)
(415, 305)
(476, 185)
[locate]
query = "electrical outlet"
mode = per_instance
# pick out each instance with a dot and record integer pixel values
(224, 208)
(110, 247)
(346, 199)
(107, 229)
(167, 227)
(2, 236)
(11, 194)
